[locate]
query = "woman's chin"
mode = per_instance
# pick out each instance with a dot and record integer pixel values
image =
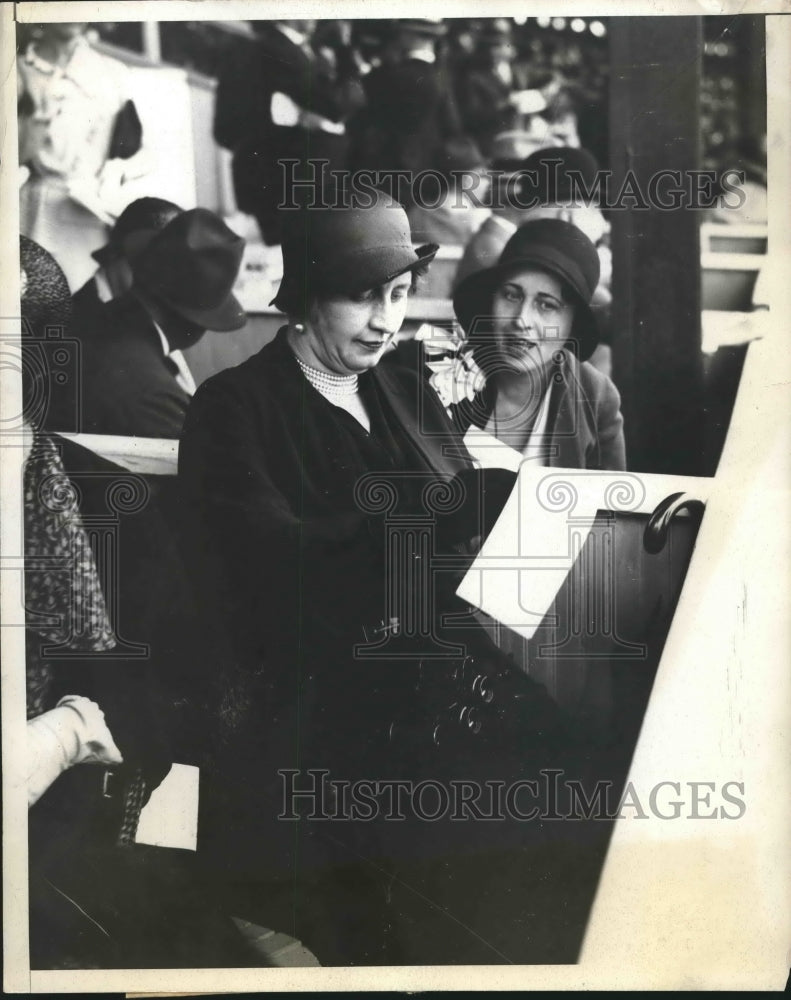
(522, 359)
(366, 356)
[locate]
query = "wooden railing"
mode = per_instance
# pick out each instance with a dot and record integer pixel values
(728, 280)
(743, 238)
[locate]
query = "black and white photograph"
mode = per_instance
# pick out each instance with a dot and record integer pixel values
(396, 455)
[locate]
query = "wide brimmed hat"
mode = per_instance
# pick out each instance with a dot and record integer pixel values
(143, 214)
(192, 265)
(550, 245)
(345, 251)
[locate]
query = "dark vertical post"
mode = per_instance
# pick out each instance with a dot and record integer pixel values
(654, 126)
(751, 66)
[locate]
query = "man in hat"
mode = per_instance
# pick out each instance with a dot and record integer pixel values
(113, 277)
(411, 112)
(135, 379)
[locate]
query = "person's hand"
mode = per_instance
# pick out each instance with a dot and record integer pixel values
(74, 732)
(94, 743)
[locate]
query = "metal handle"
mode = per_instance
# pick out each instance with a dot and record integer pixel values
(655, 534)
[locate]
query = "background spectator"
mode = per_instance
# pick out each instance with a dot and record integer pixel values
(113, 277)
(136, 381)
(81, 140)
(494, 94)
(278, 101)
(410, 112)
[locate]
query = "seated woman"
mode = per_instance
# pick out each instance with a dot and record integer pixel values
(101, 721)
(314, 477)
(529, 322)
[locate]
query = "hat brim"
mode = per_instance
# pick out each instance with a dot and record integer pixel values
(427, 29)
(472, 300)
(350, 274)
(224, 318)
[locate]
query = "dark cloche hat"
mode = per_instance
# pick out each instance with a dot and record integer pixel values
(346, 250)
(550, 245)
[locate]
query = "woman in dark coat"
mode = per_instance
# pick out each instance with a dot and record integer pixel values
(529, 322)
(319, 484)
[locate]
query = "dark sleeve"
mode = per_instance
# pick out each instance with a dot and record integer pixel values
(480, 108)
(128, 391)
(406, 95)
(235, 109)
(287, 577)
(306, 83)
(450, 117)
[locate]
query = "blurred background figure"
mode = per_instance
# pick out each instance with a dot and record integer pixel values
(494, 95)
(451, 215)
(80, 138)
(280, 100)
(549, 184)
(748, 155)
(410, 111)
(113, 277)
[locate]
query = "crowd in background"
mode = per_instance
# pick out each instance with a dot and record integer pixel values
(476, 100)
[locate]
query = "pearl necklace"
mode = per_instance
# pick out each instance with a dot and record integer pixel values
(337, 386)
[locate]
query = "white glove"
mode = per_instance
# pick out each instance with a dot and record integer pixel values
(74, 732)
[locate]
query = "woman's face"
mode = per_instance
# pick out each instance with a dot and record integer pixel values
(349, 334)
(532, 319)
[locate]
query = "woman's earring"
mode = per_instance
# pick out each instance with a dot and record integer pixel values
(299, 328)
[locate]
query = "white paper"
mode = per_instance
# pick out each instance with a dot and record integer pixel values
(542, 529)
(170, 817)
(491, 453)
